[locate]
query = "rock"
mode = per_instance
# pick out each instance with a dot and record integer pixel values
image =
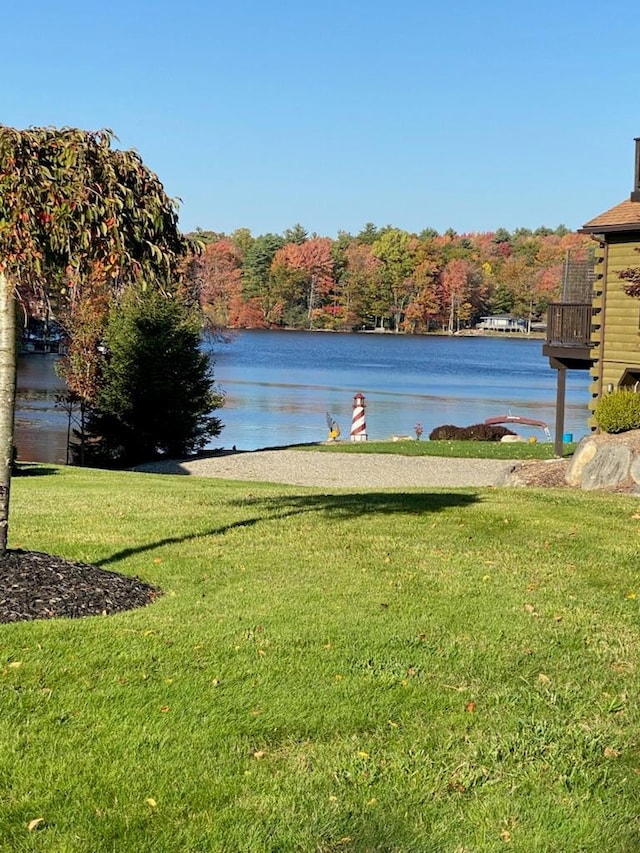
(606, 462)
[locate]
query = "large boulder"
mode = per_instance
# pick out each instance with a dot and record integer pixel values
(606, 462)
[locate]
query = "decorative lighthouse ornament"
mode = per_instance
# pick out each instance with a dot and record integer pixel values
(358, 424)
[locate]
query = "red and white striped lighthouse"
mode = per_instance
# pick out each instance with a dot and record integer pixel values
(358, 423)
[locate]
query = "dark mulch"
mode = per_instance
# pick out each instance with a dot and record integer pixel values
(40, 586)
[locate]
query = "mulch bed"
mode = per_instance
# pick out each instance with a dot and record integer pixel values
(40, 586)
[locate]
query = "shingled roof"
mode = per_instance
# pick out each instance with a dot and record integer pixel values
(622, 217)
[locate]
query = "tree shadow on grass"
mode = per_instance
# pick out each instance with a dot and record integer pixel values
(333, 506)
(365, 503)
(25, 469)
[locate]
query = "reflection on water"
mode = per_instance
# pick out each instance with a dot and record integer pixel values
(280, 385)
(41, 429)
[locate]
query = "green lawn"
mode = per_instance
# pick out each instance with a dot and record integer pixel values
(464, 449)
(327, 671)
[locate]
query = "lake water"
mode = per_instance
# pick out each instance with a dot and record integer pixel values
(279, 387)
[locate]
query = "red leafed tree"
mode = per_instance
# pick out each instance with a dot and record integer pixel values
(303, 272)
(68, 203)
(246, 313)
(215, 278)
(455, 285)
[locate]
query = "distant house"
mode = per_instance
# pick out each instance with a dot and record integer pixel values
(43, 336)
(502, 323)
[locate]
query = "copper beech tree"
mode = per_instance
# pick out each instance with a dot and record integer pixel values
(77, 218)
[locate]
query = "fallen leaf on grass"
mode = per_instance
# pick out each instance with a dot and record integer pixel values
(470, 707)
(610, 752)
(165, 709)
(35, 823)
(258, 754)
(151, 802)
(543, 679)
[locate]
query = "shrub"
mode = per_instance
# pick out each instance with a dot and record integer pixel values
(618, 412)
(447, 432)
(476, 432)
(487, 432)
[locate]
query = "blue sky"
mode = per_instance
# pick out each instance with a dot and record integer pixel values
(470, 115)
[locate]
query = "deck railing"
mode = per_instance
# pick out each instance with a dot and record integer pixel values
(569, 325)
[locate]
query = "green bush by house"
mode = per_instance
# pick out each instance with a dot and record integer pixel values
(618, 412)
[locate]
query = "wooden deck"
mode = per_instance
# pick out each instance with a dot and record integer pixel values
(569, 324)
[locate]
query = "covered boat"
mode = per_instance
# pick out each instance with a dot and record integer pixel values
(520, 419)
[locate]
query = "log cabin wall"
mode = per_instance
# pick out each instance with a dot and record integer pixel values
(616, 329)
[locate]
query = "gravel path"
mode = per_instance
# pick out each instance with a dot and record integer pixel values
(342, 470)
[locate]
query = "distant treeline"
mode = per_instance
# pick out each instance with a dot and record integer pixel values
(381, 278)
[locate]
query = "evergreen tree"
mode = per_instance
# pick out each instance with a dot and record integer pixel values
(156, 394)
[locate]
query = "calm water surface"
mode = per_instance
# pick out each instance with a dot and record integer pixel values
(280, 385)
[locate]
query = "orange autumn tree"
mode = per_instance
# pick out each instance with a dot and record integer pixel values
(459, 280)
(215, 275)
(302, 273)
(70, 205)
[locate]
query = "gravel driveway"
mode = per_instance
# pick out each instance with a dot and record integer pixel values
(343, 470)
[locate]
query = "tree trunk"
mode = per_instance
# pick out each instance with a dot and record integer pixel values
(8, 368)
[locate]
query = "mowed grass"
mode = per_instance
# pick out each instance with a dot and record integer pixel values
(460, 449)
(377, 671)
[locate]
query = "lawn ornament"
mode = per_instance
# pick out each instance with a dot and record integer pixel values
(358, 423)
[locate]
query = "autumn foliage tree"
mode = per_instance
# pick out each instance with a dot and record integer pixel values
(73, 212)
(215, 274)
(302, 276)
(387, 278)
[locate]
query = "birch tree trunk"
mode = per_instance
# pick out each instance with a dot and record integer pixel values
(8, 368)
